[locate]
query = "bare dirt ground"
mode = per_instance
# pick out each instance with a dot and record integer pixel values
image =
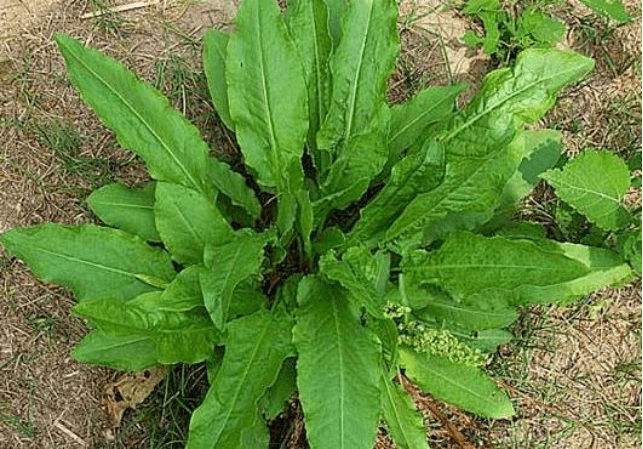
(573, 373)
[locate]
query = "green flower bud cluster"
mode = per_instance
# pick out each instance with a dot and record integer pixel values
(393, 310)
(438, 342)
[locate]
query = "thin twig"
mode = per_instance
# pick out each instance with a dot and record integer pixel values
(120, 8)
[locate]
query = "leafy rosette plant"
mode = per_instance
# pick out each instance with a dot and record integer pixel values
(383, 244)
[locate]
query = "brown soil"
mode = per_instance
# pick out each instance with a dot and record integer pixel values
(47, 400)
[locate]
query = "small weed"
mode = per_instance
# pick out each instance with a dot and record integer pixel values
(24, 428)
(42, 324)
(66, 142)
(163, 421)
(107, 20)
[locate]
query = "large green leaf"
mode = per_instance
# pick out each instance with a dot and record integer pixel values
(308, 22)
(614, 9)
(337, 370)
(227, 265)
(144, 335)
(215, 52)
(410, 120)
(470, 266)
(415, 174)
(464, 386)
(479, 161)
(360, 68)
(89, 259)
(405, 424)
(187, 222)
(141, 117)
(267, 90)
(256, 347)
(594, 183)
(131, 210)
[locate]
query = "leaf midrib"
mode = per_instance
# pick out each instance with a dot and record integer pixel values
(353, 95)
(242, 381)
(341, 379)
(86, 262)
(158, 138)
(477, 117)
(414, 121)
(276, 166)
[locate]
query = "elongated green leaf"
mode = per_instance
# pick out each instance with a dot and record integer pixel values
(308, 22)
(460, 385)
(604, 268)
(472, 266)
(614, 9)
(360, 67)
(142, 119)
(337, 370)
(256, 347)
(405, 424)
(145, 123)
(594, 183)
(488, 310)
(353, 276)
(171, 337)
(215, 51)
(226, 266)
(358, 164)
(410, 120)
(415, 174)
(257, 436)
(131, 210)
(479, 160)
(187, 222)
(89, 259)
(128, 352)
(247, 298)
(267, 89)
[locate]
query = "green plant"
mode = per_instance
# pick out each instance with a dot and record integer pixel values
(371, 215)
(507, 34)
(598, 202)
